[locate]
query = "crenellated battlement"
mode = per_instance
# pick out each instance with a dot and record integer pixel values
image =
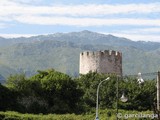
(107, 61)
(105, 52)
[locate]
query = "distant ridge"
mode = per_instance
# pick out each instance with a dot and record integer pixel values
(61, 52)
(83, 37)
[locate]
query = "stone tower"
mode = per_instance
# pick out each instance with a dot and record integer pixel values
(107, 61)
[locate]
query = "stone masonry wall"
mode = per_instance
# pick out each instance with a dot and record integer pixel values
(101, 61)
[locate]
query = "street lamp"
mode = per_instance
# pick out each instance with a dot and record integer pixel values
(123, 98)
(140, 80)
(97, 118)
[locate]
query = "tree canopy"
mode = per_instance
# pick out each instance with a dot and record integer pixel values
(50, 91)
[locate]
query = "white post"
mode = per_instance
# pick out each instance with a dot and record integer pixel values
(97, 118)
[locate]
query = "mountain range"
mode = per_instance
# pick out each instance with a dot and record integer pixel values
(60, 51)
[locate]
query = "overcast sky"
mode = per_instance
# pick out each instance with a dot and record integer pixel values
(133, 19)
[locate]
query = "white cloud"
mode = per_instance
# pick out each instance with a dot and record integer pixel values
(143, 31)
(147, 30)
(145, 34)
(41, 20)
(16, 35)
(85, 15)
(14, 7)
(26, 1)
(138, 37)
(78, 15)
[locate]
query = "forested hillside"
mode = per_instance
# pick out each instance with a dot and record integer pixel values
(61, 52)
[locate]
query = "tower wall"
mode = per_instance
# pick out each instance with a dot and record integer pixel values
(101, 61)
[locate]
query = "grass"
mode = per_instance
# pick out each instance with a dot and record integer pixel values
(108, 114)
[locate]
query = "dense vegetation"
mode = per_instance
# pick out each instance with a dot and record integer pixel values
(53, 92)
(108, 114)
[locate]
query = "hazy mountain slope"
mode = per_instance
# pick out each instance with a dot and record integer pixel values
(61, 52)
(30, 57)
(84, 38)
(64, 57)
(5, 71)
(88, 37)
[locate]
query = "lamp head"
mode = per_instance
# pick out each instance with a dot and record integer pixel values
(123, 98)
(140, 80)
(107, 78)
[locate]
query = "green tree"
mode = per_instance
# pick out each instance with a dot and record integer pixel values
(16, 82)
(60, 91)
(7, 99)
(140, 97)
(28, 94)
(89, 83)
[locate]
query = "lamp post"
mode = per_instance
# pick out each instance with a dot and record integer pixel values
(140, 81)
(123, 98)
(158, 91)
(97, 118)
(117, 97)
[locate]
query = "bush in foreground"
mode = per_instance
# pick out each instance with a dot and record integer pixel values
(108, 114)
